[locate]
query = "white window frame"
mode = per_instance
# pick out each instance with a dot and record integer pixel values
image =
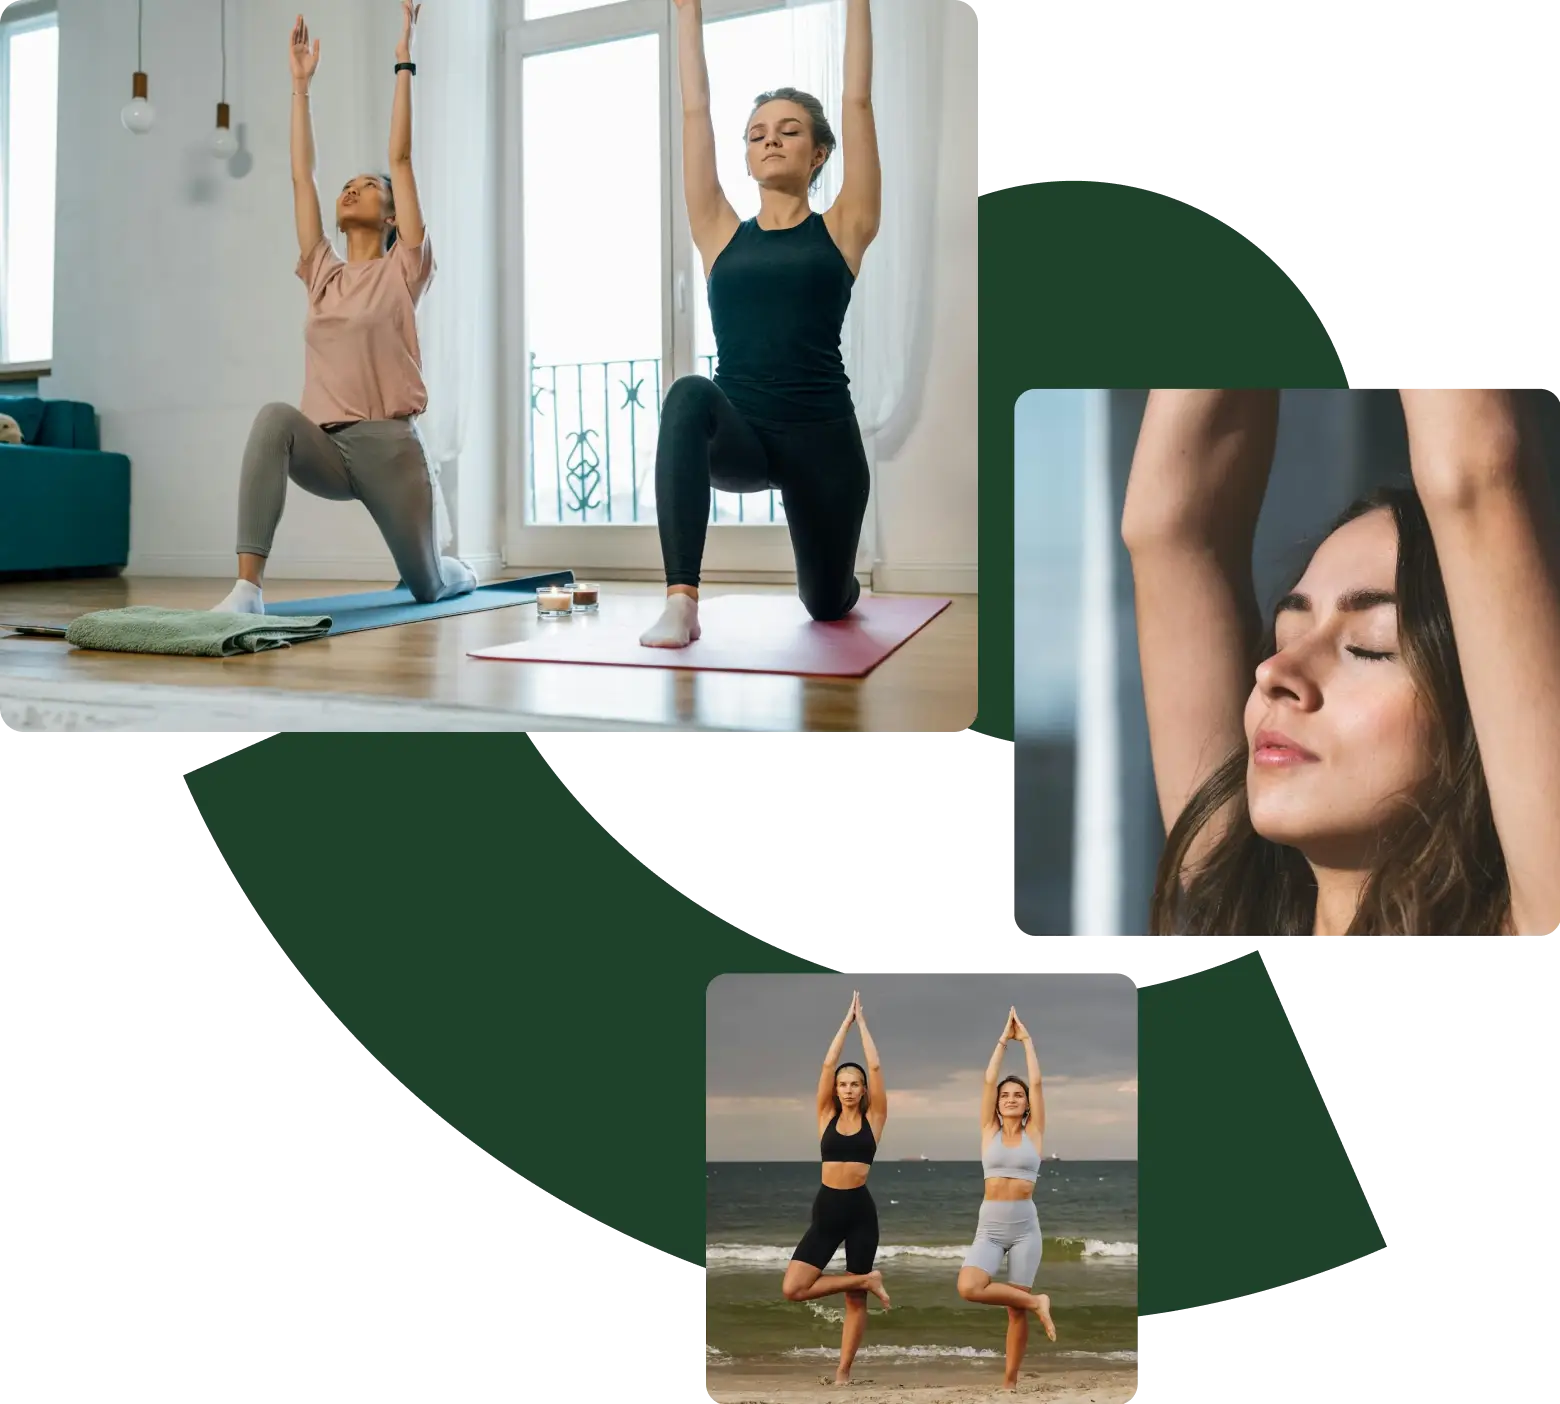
(15, 19)
(731, 550)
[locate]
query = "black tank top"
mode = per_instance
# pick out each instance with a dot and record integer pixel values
(834, 1145)
(777, 303)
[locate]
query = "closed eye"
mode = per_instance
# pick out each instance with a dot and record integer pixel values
(1370, 653)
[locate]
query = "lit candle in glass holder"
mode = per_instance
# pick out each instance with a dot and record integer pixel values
(553, 601)
(587, 598)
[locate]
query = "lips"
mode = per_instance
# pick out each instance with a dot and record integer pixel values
(1273, 749)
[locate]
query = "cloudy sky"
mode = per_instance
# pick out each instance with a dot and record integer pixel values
(765, 1037)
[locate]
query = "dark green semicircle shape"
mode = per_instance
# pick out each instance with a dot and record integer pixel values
(498, 983)
(406, 880)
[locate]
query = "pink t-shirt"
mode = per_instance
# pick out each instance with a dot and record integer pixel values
(361, 359)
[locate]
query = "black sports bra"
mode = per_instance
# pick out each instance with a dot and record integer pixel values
(835, 1145)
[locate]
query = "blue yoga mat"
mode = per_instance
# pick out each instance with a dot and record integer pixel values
(378, 608)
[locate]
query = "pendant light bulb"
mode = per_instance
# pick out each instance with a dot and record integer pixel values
(138, 114)
(224, 145)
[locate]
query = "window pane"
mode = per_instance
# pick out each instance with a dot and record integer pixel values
(742, 61)
(29, 175)
(593, 280)
(541, 9)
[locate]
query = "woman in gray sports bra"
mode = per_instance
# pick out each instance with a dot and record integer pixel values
(1012, 1124)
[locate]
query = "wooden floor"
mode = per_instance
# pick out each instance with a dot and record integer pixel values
(927, 685)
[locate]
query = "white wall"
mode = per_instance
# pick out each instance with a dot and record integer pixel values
(177, 313)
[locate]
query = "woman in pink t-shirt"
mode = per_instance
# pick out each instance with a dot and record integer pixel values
(353, 435)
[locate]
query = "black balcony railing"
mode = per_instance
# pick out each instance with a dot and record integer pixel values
(593, 428)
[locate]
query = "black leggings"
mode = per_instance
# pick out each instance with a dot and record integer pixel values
(839, 1216)
(820, 469)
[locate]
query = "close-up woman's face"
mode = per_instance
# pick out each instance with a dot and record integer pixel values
(1336, 734)
(780, 148)
(848, 1087)
(1012, 1100)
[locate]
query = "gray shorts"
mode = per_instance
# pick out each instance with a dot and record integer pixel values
(1009, 1228)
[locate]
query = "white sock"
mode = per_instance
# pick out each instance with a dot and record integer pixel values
(678, 625)
(243, 598)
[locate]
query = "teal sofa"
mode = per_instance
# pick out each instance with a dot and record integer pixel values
(64, 503)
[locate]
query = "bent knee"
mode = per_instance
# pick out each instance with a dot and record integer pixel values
(689, 401)
(826, 609)
(969, 1284)
(792, 1291)
(274, 420)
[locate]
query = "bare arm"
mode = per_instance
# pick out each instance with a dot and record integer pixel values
(988, 1091)
(304, 60)
(711, 219)
(877, 1090)
(1193, 497)
(1036, 1127)
(854, 217)
(830, 1059)
(403, 184)
(1492, 517)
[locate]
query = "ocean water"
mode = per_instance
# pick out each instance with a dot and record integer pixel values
(756, 1212)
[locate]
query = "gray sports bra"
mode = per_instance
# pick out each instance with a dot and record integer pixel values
(1002, 1162)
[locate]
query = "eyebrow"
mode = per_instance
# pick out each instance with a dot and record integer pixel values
(1350, 602)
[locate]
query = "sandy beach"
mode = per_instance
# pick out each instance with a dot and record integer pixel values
(919, 1384)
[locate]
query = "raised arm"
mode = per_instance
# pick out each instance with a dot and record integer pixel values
(830, 1059)
(1492, 517)
(877, 1090)
(711, 219)
(403, 184)
(1193, 497)
(306, 196)
(1036, 1127)
(988, 1091)
(854, 216)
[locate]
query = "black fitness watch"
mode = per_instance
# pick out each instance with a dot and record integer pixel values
(409, 67)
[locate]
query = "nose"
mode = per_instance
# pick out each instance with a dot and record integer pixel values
(1290, 675)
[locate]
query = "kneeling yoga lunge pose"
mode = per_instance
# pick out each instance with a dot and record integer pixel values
(778, 413)
(1012, 1128)
(353, 435)
(852, 1107)
(1383, 759)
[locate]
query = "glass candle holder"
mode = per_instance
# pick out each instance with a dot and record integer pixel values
(554, 602)
(587, 597)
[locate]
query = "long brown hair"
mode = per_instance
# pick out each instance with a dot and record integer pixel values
(1439, 870)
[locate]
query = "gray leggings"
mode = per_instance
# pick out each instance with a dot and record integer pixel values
(380, 462)
(1010, 1228)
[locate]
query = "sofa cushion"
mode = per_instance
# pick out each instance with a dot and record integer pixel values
(27, 411)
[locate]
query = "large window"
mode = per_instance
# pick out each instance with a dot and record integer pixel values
(606, 305)
(29, 97)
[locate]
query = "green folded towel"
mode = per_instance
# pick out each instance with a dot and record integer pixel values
(202, 632)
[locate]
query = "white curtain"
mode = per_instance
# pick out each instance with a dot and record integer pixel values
(886, 339)
(452, 144)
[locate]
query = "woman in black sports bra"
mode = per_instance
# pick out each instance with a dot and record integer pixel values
(852, 1107)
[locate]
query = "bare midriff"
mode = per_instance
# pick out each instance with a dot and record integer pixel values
(845, 1174)
(1009, 1190)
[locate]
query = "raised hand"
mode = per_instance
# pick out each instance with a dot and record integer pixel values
(1019, 1031)
(302, 59)
(409, 14)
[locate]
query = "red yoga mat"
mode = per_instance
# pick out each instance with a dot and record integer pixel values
(741, 634)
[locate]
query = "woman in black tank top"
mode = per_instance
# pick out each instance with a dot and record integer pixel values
(852, 1107)
(778, 413)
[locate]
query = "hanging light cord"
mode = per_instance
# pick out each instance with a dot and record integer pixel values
(224, 50)
(138, 36)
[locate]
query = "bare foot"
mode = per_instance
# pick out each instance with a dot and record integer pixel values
(875, 1286)
(1042, 1309)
